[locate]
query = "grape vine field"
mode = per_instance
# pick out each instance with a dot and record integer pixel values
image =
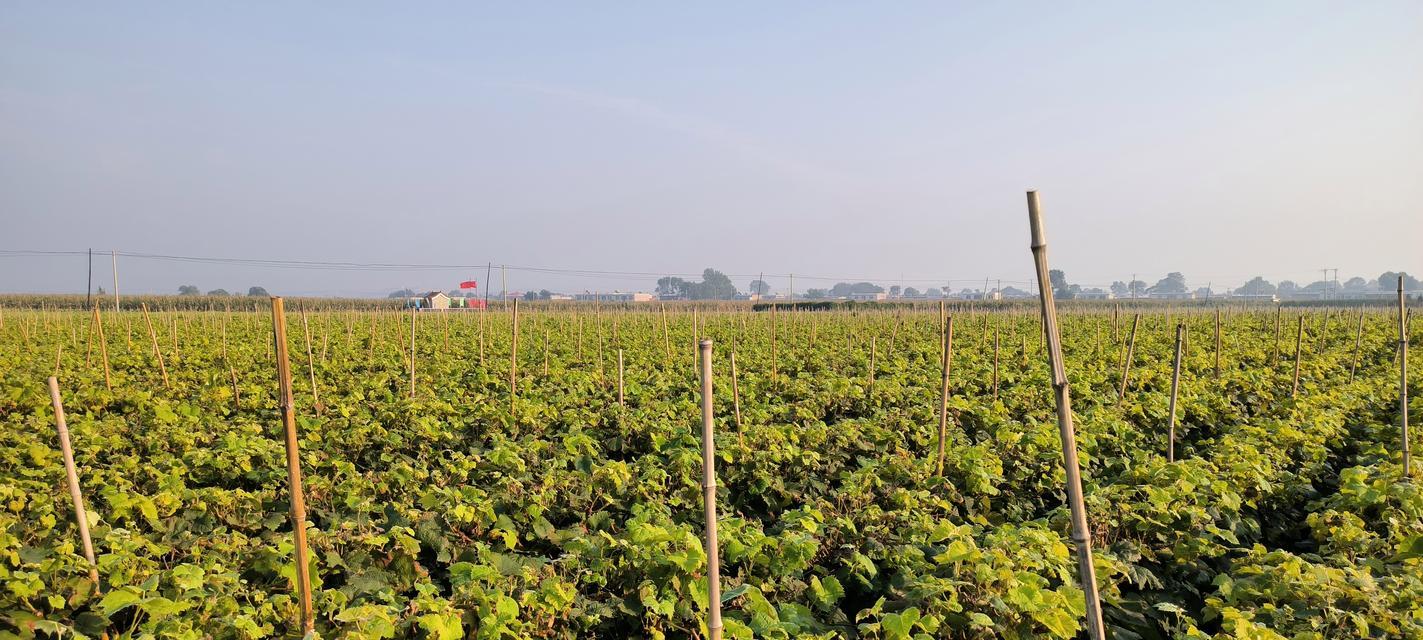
(553, 510)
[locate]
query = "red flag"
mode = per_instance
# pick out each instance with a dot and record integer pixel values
(469, 284)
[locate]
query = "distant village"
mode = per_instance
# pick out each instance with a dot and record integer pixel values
(717, 286)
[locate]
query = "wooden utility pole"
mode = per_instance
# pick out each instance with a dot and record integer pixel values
(286, 407)
(1175, 385)
(946, 355)
(71, 474)
(1087, 573)
(714, 626)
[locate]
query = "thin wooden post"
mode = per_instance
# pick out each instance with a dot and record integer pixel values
(873, 354)
(514, 358)
(1275, 355)
(775, 355)
(153, 336)
(621, 401)
(545, 352)
(1217, 343)
(1358, 341)
(286, 407)
(714, 626)
(946, 358)
(666, 334)
(736, 401)
(995, 363)
(103, 347)
(1175, 385)
(71, 474)
(1403, 379)
(310, 362)
(412, 351)
(1299, 343)
(1080, 533)
(1126, 362)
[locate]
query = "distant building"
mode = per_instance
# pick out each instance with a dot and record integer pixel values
(558, 296)
(1182, 295)
(435, 300)
(616, 296)
(868, 297)
(1255, 297)
(1096, 294)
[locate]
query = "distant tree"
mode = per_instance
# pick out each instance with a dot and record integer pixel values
(1136, 287)
(671, 286)
(1014, 292)
(1287, 287)
(759, 287)
(845, 289)
(100, 292)
(531, 295)
(257, 291)
(189, 290)
(1257, 286)
(1174, 282)
(1120, 288)
(911, 292)
(402, 293)
(816, 294)
(1388, 281)
(1058, 279)
(1356, 285)
(895, 291)
(933, 292)
(217, 292)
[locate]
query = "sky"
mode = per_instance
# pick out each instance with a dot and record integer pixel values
(890, 142)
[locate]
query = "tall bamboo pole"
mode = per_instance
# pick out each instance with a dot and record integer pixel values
(1175, 386)
(873, 354)
(714, 626)
(514, 358)
(946, 358)
(412, 351)
(103, 347)
(153, 336)
(621, 401)
(1275, 355)
(71, 474)
(736, 400)
(1080, 533)
(1358, 342)
(995, 363)
(1217, 343)
(1126, 361)
(287, 407)
(114, 255)
(1299, 344)
(310, 362)
(1403, 379)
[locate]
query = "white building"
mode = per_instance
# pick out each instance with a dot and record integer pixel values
(616, 296)
(868, 297)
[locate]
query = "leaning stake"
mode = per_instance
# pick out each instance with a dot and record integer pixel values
(945, 357)
(709, 496)
(286, 406)
(1299, 342)
(71, 474)
(1175, 385)
(1086, 572)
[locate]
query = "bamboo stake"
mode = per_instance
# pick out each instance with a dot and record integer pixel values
(1275, 356)
(310, 362)
(71, 474)
(545, 352)
(412, 352)
(1175, 385)
(775, 355)
(736, 402)
(1403, 379)
(1080, 532)
(1126, 362)
(666, 335)
(1217, 343)
(154, 337)
(621, 402)
(714, 626)
(103, 347)
(1358, 341)
(514, 358)
(58, 357)
(286, 407)
(873, 348)
(995, 363)
(946, 358)
(1299, 343)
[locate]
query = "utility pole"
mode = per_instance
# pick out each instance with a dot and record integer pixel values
(488, 271)
(89, 291)
(792, 288)
(1133, 286)
(503, 287)
(114, 254)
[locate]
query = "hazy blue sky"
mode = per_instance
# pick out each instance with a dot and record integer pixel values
(856, 140)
